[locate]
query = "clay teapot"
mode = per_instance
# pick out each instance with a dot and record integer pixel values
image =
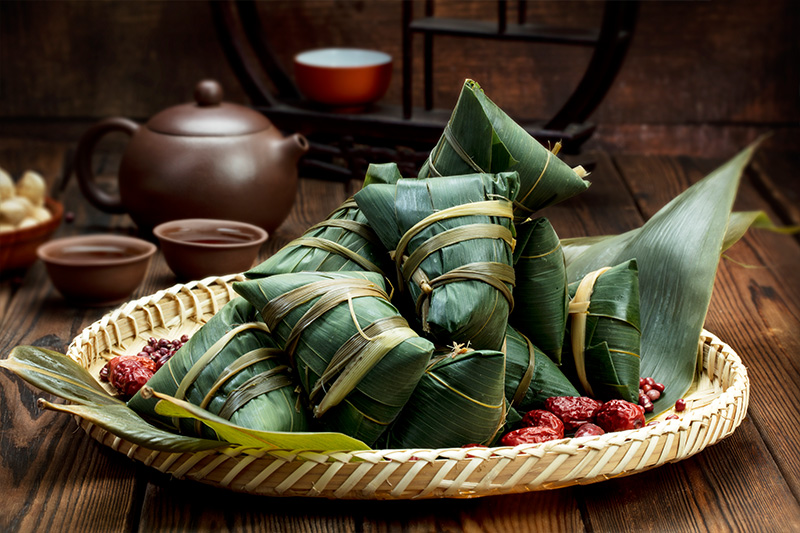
(207, 158)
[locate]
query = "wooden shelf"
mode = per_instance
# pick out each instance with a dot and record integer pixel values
(513, 32)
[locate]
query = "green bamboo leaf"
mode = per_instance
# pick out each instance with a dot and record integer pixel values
(122, 421)
(382, 173)
(738, 224)
(481, 137)
(540, 295)
(233, 368)
(677, 251)
(459, 400)
(531, 377)
(740, 221)
(341, 242)
(603, 357)
(356, 358)
(170, 407)
(57, 374)
(451, 240)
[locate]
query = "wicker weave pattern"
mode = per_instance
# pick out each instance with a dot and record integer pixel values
(715, 407)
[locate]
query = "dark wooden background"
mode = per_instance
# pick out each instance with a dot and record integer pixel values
(701, 78)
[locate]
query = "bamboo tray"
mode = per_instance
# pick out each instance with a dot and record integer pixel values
(716, 406)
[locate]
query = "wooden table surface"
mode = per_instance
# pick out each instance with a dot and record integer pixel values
(53, 477)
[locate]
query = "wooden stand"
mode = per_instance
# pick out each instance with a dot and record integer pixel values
(343, 144)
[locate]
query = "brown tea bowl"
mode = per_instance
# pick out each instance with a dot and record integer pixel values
(96, 270)
(196, 248)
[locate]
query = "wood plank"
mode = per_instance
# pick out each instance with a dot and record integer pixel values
(55, 476)
(175, 505)
(732, 486)
(546, 511)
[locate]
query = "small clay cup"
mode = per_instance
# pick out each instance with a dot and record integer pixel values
(96, 270)
(347, 79)
(196, 248)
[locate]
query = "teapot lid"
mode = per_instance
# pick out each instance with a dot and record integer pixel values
(208, 115)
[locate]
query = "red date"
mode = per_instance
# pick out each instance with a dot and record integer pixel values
(619, 415)
(589, 429)
(128, 373)
(528, 435)
(542, 418)
(573, 410)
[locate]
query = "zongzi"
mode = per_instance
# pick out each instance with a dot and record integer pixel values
(356, 357)
(481, 137)
(603, 345)
(531, 377)
(232, 368)
(452, 240)
(458, 401)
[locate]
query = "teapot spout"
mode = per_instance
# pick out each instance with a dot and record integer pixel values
(293, 147)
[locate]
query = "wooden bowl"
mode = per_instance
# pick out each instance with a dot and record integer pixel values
(343, 77)
(196, 248)
(96, 270)
(18, 247)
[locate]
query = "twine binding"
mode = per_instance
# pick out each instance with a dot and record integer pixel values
(716, 408)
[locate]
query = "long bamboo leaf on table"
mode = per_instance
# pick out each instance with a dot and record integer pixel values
(57, 374)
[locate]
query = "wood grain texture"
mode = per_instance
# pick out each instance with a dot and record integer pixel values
(689, 63)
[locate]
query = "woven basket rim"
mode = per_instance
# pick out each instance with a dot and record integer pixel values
(696, 428)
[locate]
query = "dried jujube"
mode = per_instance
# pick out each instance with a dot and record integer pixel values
(573, 410)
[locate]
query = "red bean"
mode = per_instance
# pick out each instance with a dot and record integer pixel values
(680, 404)
(653, 394)
(659, 387)
(648, 405)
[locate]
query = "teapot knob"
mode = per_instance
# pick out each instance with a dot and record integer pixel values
(208, 93)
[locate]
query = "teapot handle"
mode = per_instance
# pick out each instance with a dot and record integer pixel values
(83, 162)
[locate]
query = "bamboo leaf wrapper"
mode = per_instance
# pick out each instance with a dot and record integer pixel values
(232, 368)
(602, 352)
(531, 377)
(459, 400)
(480, 137)
(356, 358)
(451, 239)
(541, 298)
